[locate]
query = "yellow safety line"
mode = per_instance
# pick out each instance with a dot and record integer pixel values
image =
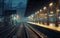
(51, 26)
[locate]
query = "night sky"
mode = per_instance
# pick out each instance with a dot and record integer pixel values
(35, 5)
(19, 5)
(27, 7)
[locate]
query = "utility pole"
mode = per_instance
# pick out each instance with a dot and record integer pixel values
(57, 12)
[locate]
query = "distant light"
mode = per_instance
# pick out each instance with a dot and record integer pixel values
(32, 15)
(51, 12)
(40, 10)
(50, 4)
(17, 16)
(45, 13)
(58, 10)
(59, 17)
(14, 18)
(37, 11)
(50, 15)
(44, 8)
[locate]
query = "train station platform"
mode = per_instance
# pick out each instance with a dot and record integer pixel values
(50, 26)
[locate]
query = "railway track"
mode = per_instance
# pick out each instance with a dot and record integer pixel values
(26, 31)
(23, 30)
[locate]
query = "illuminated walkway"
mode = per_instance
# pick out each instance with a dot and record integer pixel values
(51, 26)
